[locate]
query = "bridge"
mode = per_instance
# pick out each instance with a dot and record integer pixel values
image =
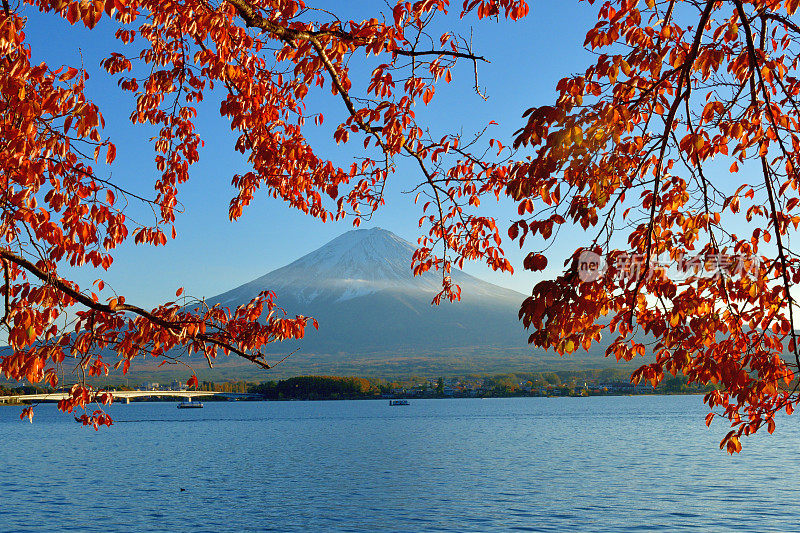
(127, 395)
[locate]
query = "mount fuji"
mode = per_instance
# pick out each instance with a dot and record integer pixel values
(376, 318)
(361, 289)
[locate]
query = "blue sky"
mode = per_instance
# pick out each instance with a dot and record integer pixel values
(212, 254)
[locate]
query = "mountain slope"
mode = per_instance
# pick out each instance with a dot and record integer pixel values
(376, 319)
(361, 289)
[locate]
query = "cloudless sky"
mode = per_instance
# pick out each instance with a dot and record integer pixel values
(212, 254)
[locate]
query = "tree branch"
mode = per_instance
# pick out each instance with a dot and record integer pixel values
(449, 53)
(679, 95)
(778, 18)
(253, 19)
(7, 295)
(64, 287)
(752, 63)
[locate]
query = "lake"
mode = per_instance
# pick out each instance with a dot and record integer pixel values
(639, 463)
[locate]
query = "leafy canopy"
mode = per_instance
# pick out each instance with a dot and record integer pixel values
(260, 59)
(677, 146)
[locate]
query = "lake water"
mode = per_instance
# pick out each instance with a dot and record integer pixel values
(640, 463)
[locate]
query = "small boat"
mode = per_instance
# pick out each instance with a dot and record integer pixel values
(190, 405)
(398, 402)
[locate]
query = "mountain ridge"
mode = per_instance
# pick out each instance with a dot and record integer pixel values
(376, 318)
(357, 263)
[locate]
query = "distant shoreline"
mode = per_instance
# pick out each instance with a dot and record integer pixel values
(174, 399)
(532, 384)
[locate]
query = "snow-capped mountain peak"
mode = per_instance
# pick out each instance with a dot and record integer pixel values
(355, 264)
(360, 255)
(361, 289)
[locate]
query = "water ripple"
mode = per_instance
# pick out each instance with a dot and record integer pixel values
(594, 464)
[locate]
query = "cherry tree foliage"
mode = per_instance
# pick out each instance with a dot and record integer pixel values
(678, 145)
(260, 59)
